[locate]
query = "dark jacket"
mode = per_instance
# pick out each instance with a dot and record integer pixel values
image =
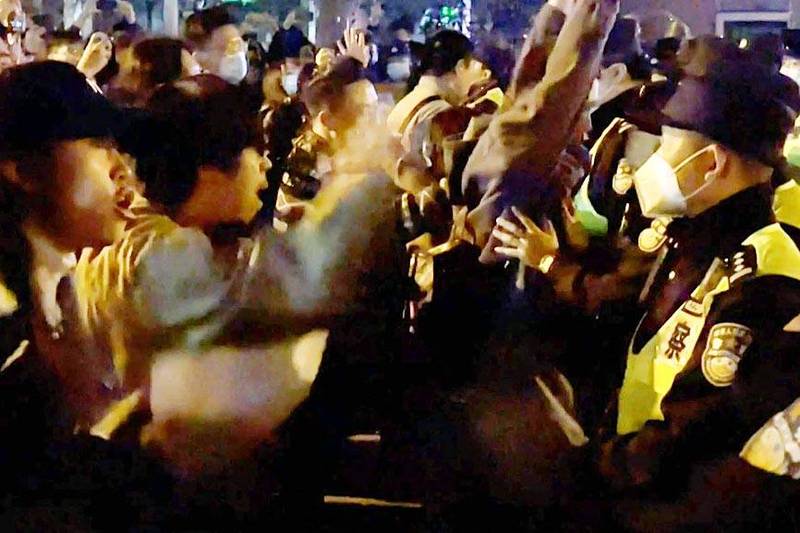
(710, 411)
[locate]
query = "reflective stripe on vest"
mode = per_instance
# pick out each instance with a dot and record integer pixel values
(650, 374)
(787, 203)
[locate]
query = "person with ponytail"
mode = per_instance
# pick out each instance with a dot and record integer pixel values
(447, 72)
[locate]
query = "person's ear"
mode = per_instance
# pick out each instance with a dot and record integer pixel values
(716, 162)
(323, 125)
(326, 119)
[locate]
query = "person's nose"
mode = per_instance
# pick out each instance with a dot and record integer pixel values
(121, 171)
(264, 165)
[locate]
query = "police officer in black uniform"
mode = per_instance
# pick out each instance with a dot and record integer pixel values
(713, 352)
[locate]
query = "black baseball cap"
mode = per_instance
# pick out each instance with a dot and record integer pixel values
(51, 101)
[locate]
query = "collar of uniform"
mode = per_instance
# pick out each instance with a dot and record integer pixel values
(428, 86)
(49, 266)
(723, 228)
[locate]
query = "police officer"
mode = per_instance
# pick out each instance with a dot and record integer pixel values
(714, 354)
(725, 287)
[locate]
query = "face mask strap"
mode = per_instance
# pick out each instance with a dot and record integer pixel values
(688, 160)
(692, 158)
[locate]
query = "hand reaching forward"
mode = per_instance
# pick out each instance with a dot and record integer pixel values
(524, 240)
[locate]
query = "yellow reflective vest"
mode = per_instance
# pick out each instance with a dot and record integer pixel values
(651, 373)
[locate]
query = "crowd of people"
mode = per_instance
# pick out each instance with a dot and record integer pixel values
(236, 281)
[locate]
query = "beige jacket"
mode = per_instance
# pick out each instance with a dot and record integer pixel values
(522, 144)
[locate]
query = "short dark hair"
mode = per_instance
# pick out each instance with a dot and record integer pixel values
(202, 24)
(328, 91)
(199, 121)
(160, 60)
(72, 36)
(443, 51)
(402, 23)
(127, 37)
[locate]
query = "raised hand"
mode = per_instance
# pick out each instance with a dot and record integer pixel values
(127, 11)
(96, 55)
(598, 15)
(354, 44)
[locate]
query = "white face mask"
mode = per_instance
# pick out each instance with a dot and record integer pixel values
(290, 83)
(233, 67)
(399, 70)
(658, 188)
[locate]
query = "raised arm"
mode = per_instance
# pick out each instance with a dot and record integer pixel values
(521, 147)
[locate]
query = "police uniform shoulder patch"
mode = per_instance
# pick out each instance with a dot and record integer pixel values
(727, 343)
(742, 265)
(775, 448)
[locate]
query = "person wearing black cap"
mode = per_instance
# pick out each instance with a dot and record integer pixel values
(451, 85)
(59, 176)
(69, 194)
(714, 354)
(448, 71)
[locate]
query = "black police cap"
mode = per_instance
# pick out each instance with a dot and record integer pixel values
(733, 97)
